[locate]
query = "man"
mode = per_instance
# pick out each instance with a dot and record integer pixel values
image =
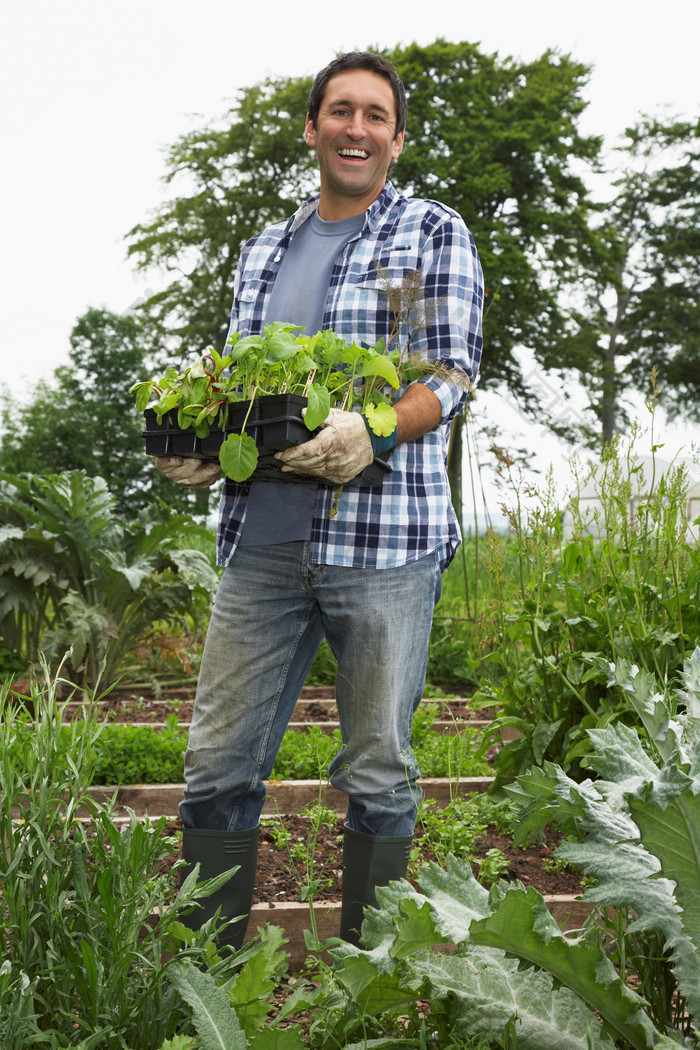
(368, 577)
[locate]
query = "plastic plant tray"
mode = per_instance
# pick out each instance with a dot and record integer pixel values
(275, 422)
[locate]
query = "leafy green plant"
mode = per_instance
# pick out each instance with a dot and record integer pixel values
(76, 579)
(87, 936)
(128, 754)
(456, 827)
(514, 975)
(637, 831)
(150, 755)
(619, 583)
(322, 367)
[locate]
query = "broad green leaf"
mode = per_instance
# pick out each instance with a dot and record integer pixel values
(238, 456)
(542, 737)
(143, 396)
(373, 989)
(281, 346)
(673, 835)
(318, 407)
(195, 566)
(484, 988)
(382, 367)
(522, 927)
(351, 354)
(214, 1019)
(381, 418)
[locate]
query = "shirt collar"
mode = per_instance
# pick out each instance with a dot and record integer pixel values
(374, 214)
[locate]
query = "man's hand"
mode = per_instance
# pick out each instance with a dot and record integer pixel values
(190, 472)
(338, 453)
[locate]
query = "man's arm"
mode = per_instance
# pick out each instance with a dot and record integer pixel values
(417, 411)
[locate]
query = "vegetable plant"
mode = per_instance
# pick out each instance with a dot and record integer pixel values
(634, 830)
(75, 578)
(616, 585)
(324, 368)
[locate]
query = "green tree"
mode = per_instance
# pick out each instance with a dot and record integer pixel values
(84, 418)
(495, 139)
(637, 306)
(238, 175)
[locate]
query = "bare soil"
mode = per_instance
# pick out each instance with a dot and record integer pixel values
(315, 705)
(280, 875)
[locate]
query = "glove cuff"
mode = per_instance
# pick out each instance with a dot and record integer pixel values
(379, 442)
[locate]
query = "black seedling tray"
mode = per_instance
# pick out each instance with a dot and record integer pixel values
(275, 422)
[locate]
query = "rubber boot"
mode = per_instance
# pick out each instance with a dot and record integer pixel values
(216, 852)
(368, 861)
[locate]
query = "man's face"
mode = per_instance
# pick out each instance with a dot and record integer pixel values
(355, 141)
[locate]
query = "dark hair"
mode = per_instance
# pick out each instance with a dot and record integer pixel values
(359, 60)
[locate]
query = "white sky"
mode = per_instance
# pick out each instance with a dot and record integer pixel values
(93, 92)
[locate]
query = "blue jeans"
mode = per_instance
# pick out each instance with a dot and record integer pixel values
(271, 612)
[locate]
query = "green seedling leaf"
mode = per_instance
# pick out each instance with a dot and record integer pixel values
(318, 406)
(350, 355)
(381, 418)
(143, 396)
(238, 456)
(281, 345)
(380, 366)
(244, 346)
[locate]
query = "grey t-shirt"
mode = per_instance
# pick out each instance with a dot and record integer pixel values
(278, 512)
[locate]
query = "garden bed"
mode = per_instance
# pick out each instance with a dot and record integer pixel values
(316, 705)
(279, 873)
(282, 876)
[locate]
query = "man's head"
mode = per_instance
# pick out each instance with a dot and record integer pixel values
(355, 122)
(359, 60)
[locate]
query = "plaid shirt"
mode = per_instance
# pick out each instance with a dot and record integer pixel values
(410, 514)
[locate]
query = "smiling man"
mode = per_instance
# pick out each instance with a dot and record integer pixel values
(354, 130)
(367, 576)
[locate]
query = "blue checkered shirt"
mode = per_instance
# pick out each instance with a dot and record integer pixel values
(410, 514)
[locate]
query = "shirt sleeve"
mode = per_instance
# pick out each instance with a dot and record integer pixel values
(451, 334)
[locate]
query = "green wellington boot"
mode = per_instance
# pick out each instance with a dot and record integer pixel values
(368, 861)
(216, 852)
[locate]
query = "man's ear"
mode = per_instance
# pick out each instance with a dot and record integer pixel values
(398, 145)
(309, 132)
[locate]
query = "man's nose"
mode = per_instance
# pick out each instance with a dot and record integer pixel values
(356, 127)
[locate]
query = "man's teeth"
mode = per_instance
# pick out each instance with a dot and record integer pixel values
(353, 153)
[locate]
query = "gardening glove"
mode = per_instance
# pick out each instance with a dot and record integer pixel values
(189, 472)
(341, 450)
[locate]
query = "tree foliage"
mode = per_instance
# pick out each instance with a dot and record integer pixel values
(497, 140)
(638, 303)
(84, 418)
(238, 175)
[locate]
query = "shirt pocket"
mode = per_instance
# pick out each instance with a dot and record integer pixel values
(391, 269)
(250, 303)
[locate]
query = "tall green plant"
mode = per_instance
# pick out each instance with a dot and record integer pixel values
(90, 927)
(620, 581)
(74, 578)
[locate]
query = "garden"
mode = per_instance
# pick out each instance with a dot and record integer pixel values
(552, 899)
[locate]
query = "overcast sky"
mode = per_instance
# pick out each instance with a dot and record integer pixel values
(93, 92)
